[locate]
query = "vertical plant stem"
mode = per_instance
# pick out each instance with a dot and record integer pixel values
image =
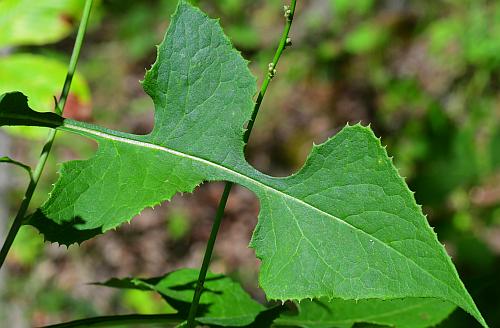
(21, 213)
(208, 254)
(284, 42)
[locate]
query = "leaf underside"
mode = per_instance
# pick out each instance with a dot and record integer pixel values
(345, 226)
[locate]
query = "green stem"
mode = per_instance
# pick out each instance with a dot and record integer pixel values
(9, 160)
(263, 89)
(21, 213)
(208, 254)
(119, 320)
(227, 189)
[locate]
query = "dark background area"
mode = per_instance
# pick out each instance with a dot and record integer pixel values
(424, 74)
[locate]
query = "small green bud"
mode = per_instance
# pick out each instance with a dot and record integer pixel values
(287, 11)
(271, 70)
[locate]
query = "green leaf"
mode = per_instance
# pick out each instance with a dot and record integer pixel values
(400, 313)
(223, 302)
(366, 37)
(345, 226)
(145, 302)
(14, 110)
(27, 247)
(41, 78)
(36, 22)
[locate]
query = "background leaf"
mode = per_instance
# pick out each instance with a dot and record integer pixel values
(41, 78)
(400, 313)
(223, 302)
(36, 22)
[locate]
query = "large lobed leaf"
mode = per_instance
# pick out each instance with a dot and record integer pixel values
(345, 226)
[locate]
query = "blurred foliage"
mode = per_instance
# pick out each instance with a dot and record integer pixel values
(425, 74)
(36, 22)
(41, 78)
(145, 302)
(178, 225)
(27, 247)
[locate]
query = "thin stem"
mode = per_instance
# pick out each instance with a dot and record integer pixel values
(272, 69)
(21, 213)
(208, 254)
(9, 160)
(119, 321)
(284, 42)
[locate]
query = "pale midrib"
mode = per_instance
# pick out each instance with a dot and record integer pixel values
(74, 128)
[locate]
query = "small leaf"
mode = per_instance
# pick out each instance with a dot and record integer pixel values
(223, 302)
(14, 110)
(400, 313)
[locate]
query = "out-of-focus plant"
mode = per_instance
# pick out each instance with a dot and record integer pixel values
(27, 23)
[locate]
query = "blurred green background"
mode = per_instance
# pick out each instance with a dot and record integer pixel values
(424, 74)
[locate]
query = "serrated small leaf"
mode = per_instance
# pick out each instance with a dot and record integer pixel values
(224, 302)
(345, 226)
(400, 313)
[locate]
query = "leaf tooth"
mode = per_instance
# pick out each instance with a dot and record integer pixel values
(67, 245)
